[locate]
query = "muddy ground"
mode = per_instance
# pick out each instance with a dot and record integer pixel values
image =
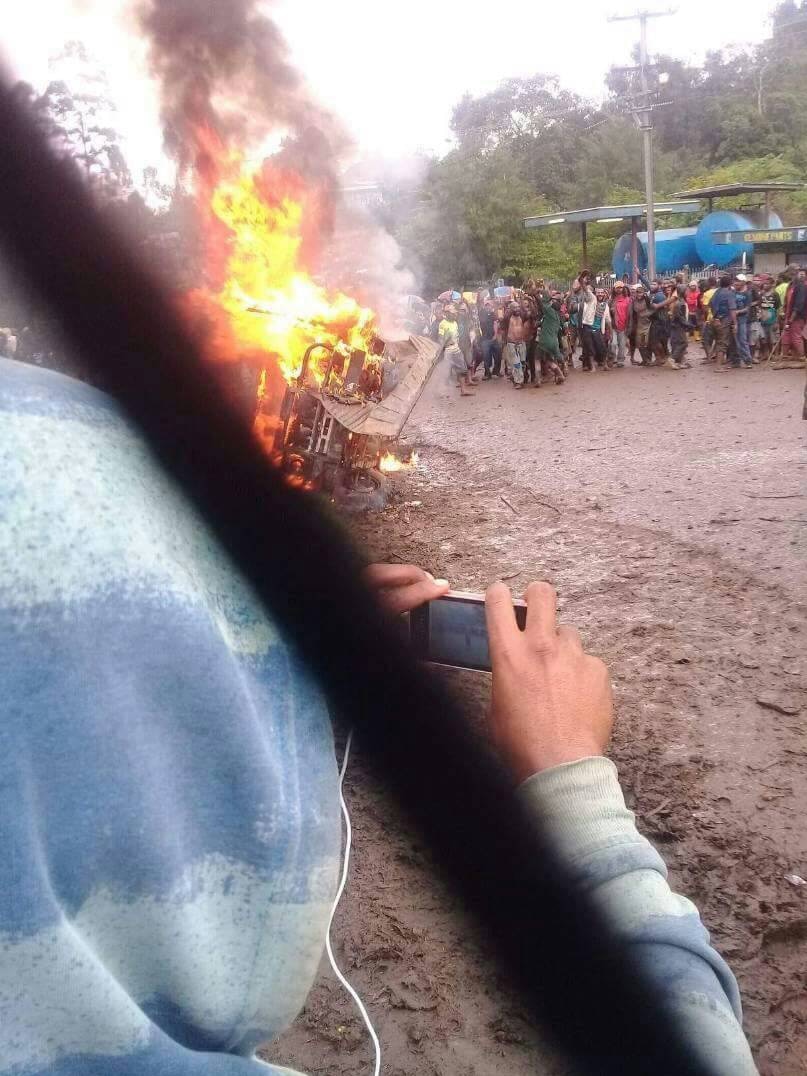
(669, 509)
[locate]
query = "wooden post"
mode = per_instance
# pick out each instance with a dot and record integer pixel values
(584, 235)
(634, 248)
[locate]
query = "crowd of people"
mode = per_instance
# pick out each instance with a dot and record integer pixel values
(535, 335)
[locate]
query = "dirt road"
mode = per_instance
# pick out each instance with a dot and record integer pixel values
(670, 510)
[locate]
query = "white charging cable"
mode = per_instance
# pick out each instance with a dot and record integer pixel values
(342, 883)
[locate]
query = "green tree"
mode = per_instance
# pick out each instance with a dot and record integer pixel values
(541, 129)
(781, 168)
(467, 219)
(529, 147)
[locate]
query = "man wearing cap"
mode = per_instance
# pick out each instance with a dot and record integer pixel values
(622, 319)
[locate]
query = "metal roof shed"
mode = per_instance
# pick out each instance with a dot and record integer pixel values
(609, 214)
(734, 190)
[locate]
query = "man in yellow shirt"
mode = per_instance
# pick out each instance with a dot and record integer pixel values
(782, 284)
(781, 290)
(708, 332)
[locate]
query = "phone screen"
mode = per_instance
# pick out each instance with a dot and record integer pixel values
(458, 634)
(453, 631)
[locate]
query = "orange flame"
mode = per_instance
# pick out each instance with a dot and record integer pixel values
(263, 228)
(390, 463)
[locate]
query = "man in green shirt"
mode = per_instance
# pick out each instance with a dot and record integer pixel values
(548, 342)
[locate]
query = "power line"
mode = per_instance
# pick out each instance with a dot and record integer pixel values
(644, 119)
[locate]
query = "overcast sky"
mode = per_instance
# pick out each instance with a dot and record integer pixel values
(394, 71)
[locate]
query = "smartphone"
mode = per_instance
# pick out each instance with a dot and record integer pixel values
(452, 630)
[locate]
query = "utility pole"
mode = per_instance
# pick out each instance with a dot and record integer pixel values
(644, 119)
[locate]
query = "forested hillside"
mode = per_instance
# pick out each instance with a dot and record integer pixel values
(530, 147)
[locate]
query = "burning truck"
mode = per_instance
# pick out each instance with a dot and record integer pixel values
(338, 422)
(331, 397)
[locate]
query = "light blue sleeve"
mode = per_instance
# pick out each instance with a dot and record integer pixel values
(169, 803)
(583, 808)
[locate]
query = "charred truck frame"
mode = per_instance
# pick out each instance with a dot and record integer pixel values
(345, 410)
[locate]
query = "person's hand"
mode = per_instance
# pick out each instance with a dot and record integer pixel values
(403, 587)
(551, 702)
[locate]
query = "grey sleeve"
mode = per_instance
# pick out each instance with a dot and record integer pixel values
(583, 807)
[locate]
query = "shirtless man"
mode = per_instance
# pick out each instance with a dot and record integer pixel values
(515, 351)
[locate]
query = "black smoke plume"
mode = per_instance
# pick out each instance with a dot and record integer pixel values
(223, 68)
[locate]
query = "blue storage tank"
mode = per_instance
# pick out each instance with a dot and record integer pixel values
(675, 248)
(730, 220)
